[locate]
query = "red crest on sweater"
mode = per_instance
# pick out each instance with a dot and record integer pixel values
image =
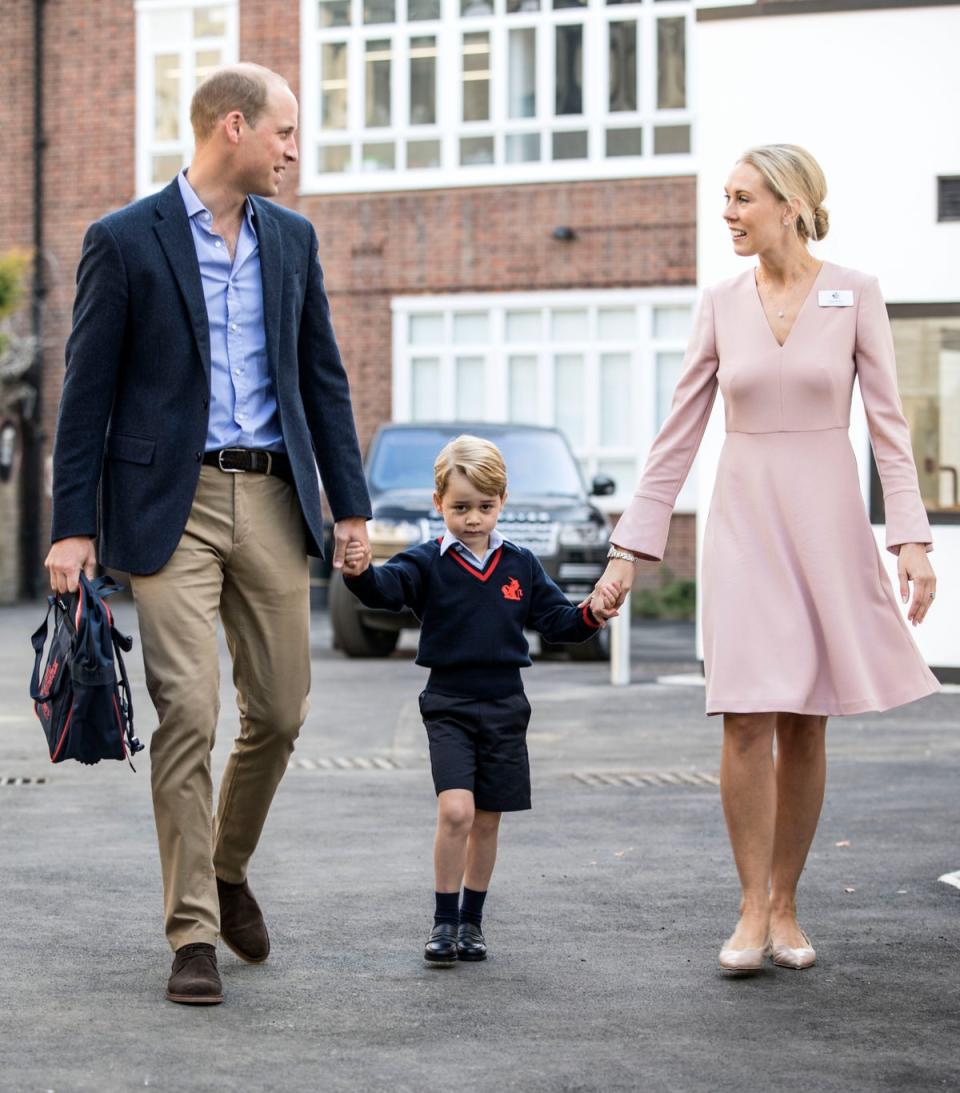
(512, 590)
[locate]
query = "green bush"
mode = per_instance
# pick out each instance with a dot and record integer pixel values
(674, 599)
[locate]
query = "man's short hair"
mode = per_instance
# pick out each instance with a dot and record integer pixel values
(479, 461)
(243, 87)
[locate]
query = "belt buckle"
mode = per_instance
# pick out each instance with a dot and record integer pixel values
(229, 470)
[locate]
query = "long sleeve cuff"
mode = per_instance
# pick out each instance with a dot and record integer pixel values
(906, 520)
(644, 527)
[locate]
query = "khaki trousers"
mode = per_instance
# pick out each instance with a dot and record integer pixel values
(242, 557)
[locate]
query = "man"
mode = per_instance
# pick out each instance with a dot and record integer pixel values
(203, 390)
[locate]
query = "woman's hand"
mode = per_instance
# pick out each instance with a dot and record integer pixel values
(914, 565)
(620, 573)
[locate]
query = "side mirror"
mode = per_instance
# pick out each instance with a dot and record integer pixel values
(602, 486)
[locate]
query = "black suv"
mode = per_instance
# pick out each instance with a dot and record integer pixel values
(547, 510)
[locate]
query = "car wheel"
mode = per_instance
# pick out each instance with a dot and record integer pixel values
(350, 636)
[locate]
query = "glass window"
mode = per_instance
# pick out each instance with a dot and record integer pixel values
(423, 81)
(423, 153)
(334, 158)
(522, 5)
(569, 69)
(617, 323)
(210, 22)
(425, 384)
(166, 103)
(615, 422)
(522, 75)
(426, 329)
(164, 167)
(377, 86)
(378, 11)
(523, 400)
(568, 397)
(669, 140)
(523, 326)
(624, 142)
(623, 67)
(476, 7)
(928, 372)
(471, 401)
(422, 9)
(570, 326)
(333, 13)
(570, 145)
(476, 151)
(379, 156)
(671, 322)
(523, 147)
(671, 64)
(333, 84)
(471, 327)
(476, 77)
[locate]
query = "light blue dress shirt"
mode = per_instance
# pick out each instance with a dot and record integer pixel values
(243, 403)
(450, 540)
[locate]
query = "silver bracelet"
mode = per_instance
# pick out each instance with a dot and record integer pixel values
(624, 555)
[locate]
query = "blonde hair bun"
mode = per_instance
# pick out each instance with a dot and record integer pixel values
(821, 221)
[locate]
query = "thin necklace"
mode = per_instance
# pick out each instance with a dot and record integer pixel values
(781, 312)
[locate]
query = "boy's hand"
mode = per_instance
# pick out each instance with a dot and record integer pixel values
(603, 601)
(356, 559)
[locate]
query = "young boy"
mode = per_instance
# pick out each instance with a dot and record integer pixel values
(474, 592)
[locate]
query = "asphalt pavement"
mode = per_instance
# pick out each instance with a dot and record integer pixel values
(607, 910)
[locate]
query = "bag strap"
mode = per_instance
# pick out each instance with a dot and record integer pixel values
(38, 639)
(126, 694)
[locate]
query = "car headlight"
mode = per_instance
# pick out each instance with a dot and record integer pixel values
(389, 536)
(583, 534)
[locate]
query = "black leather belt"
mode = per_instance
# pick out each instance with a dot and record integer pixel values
(255, 460)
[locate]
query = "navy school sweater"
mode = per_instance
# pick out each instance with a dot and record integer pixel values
(472, 620)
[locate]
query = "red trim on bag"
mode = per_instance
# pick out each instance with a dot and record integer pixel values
(63, 735)
(487, 573)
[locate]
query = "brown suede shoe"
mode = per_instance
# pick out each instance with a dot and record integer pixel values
(241, 924)
(195, 980)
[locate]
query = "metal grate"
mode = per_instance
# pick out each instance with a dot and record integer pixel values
(642, 779)
(342, 762)
(17, 780)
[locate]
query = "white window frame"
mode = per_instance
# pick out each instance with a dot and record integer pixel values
(496, 352)
(595, 17)
(146, 50)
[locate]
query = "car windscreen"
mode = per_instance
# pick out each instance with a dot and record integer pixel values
(538, 463)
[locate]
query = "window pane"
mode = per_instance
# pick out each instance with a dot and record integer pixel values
(623, 66)
(523, 326)
(522, 390)
(166, 166)
(333, 84)
(669, 366)
(424, 389)
(332, 158)
(624, 142)
(522, 77)
(570, 145)
(671, 322)
(380, 156)
(523, 147)
(617, 323)
(471, 327)
(166, 96)
(422, 9)
(568, 402)
(476, 7)
(378, 11)
(205, 62)
(475, 151)
(378, 82)
(476, 77)
(671, 140)
(615, 425)
(569, 69)
(423, 153)
(557, 4)
(522, 5)
(671, 64)
(423, 81)
(209, 22)
(333, 13)
(426, 329)
(570, 326)
(470, 393)
(928, 371)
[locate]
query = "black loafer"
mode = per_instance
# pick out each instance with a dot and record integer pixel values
(470, 943)
(442, 946)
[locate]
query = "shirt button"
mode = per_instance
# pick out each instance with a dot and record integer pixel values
(198, 456)
(219, 244)
(233, 326)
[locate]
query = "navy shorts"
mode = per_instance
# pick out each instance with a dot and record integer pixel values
(480, 744)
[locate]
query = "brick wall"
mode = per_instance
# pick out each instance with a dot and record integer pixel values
(630, 233)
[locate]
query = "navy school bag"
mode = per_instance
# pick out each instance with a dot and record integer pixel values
(83, 697)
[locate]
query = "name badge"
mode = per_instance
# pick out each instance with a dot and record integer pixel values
(835, 297)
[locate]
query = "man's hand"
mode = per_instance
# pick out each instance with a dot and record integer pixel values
(353, 529)
(65, 560)
(356, 559)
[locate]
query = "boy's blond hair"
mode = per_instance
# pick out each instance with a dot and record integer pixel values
(479, 461)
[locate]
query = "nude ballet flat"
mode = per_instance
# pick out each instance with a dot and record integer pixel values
(743, 960)
(786, 957)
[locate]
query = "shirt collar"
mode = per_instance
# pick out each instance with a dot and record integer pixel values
(449, 539)
(194, 206)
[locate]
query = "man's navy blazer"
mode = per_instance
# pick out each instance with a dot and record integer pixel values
(136, 395)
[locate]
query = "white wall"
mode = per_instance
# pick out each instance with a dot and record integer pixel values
(873, 95)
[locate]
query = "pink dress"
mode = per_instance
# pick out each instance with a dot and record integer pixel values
(798, 613)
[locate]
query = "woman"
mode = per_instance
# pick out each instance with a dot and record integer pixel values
(799, 620)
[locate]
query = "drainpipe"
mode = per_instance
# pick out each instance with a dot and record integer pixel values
(31, 474)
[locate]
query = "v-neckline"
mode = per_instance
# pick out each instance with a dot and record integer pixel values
(800, 311)
(481, 574)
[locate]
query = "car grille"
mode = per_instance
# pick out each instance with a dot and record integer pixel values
(533, 530)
